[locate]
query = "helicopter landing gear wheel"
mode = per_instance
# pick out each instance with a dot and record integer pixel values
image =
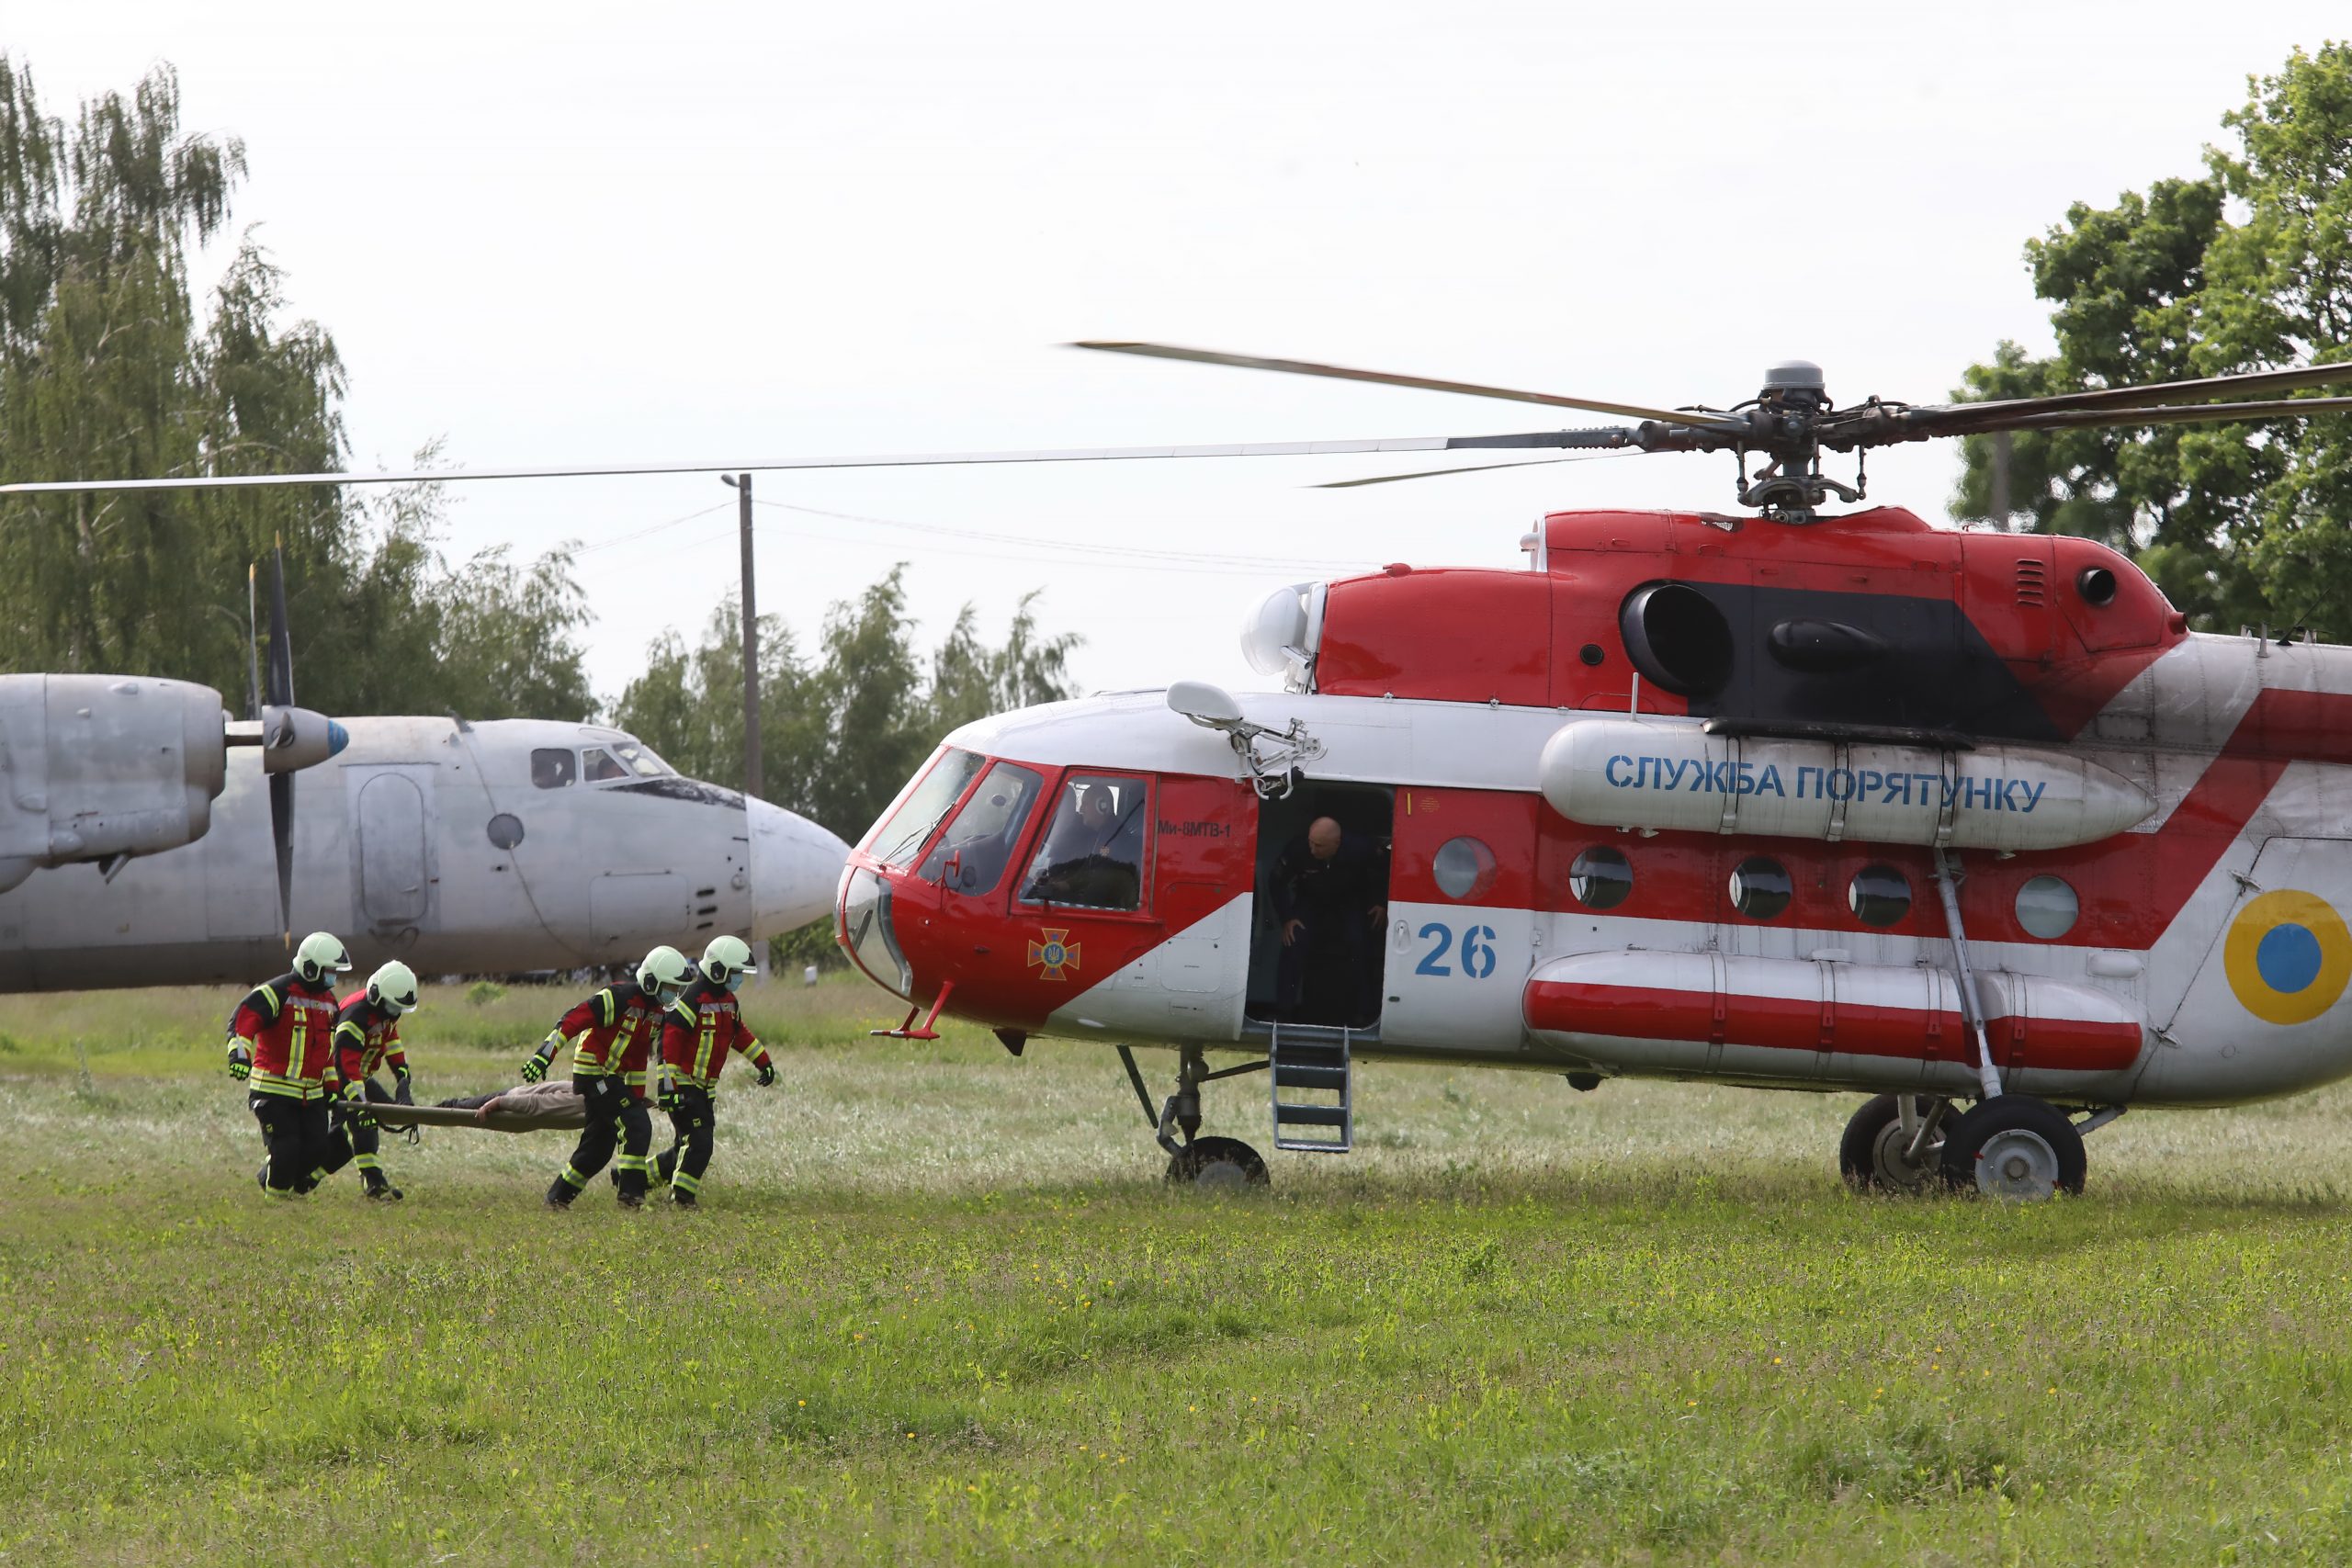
(1216, 1164)
(1885, 1151)
(2016, 1148)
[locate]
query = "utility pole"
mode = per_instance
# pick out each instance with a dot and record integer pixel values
(742, 483)
(1999, 499)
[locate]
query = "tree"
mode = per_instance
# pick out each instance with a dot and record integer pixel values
(842, 730)
(105, 369)
(2247, 268)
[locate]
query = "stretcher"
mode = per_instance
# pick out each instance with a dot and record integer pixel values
(542, 1117)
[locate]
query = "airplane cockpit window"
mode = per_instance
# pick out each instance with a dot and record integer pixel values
(970, 857)
(1092, 853)
(551, 768)
(900, 835)
(598, 765)
(642, 762)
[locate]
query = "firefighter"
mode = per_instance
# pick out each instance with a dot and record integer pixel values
(611, 1036)
(281, 1047)
(704, 1024)
(367, 1033)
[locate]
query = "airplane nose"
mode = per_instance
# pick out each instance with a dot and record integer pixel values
(795, 865)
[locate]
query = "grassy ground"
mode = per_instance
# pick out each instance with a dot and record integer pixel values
(938, 1306)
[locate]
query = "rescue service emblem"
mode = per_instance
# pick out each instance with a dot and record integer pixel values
(1056, 954)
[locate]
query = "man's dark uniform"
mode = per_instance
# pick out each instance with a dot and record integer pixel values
(1330, 971)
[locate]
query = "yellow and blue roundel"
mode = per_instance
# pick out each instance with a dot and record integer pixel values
(2288, 955)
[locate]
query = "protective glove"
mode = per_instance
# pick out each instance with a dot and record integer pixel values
(355, 1107)
(767, 1075)
(665, 1094)
(535, 1066)
(241, 1063)
(401, 1092)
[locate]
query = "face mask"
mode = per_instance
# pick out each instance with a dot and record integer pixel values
(735, 981)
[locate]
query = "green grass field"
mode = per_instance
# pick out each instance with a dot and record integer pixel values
(939, 1307)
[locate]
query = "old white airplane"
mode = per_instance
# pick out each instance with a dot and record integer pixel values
(147, 839)
(516, 845)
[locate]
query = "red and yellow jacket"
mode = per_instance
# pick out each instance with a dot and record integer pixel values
(704, 1024)
(289, 1024)
(611, 1036)
(368, 1036)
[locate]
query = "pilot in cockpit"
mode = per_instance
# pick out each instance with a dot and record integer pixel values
(1094, 851)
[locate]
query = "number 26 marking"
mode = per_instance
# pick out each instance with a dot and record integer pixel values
(1477, 950)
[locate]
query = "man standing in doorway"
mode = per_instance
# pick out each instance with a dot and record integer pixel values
(1330, 890)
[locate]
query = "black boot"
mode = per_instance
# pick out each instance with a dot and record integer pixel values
(561, 1194)
(380, 1190)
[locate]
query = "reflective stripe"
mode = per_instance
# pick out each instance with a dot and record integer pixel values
(686, 1183)
(369, 1162)
(275, 1083)
(572, 1178)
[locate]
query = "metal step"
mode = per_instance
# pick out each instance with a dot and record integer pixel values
(1309, 1059)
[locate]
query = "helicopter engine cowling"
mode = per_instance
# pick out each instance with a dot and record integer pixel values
(1674, 774)
(100, 766)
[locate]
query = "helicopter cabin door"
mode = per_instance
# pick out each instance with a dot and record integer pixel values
(1318, 949)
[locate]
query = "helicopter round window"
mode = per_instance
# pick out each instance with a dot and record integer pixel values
(1600, 878)
(1879, 896)
(1463, 867)
(2047, 908)
(1760, 887)
(506, 830)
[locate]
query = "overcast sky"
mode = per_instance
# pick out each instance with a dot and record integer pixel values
(737, 231)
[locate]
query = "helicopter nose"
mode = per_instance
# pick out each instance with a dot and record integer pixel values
(795, 865)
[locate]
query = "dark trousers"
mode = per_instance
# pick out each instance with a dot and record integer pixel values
(1327, 974)
(684, 1161)
(616, 1118)
(304, 1148)
(366, 1141)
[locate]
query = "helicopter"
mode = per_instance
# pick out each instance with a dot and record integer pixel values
(1968, 823)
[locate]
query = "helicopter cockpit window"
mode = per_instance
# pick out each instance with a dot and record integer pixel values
(970, 857)
(1093, 854)
(642, 762)
(901, 833)
(598, 765)
(551, 768)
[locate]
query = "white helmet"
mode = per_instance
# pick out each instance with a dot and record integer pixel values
(393, 988)
(727, 960)
(664, 974)
(320, 956)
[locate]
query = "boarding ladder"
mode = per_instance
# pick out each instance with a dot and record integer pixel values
(1314, 1105)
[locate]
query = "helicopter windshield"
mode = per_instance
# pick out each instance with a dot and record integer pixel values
(900, 835)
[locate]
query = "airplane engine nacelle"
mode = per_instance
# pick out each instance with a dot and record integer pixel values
(1628, 772)
(97, 766)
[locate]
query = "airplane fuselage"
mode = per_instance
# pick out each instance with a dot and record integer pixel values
(452, 847)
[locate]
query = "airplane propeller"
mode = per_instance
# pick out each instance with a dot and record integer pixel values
(291, 738)
(279, 693)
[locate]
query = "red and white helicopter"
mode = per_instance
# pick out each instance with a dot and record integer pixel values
(1845, 803)
(1842, 804)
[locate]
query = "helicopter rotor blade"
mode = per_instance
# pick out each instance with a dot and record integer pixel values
(2021, 414)
(1385, 378)
(1607, 435)
(2187, 413)
(1441, 473)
